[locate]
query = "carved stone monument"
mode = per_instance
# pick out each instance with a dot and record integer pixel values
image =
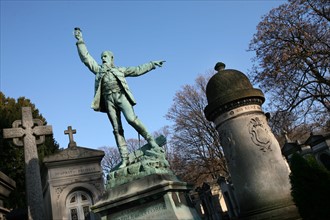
(70, 132)
(29, 129)
(72, 181)
(145, 189)
(142, 186)
(210, 203)
(260, 175)
(229, 197)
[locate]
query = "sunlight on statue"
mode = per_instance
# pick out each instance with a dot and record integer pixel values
(112, 95)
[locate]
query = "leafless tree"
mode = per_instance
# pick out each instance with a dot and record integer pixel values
(110, 159)
(197, 155)
(292, 61)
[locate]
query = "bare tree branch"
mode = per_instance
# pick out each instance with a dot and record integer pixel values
(292, 60)
(195, 141)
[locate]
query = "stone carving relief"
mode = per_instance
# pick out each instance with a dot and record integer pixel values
(260, 134)
(59, 190)
(73, 153)
(227, 141)
(96, 184)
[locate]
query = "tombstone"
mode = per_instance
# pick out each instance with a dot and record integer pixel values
(29, 129)
(259, 173)
(194, 196)
(320, 145)
(218, 199)
(72, 181)
(317, 145)
(210, 202)
(7, 185)
(217, 202)
(229, 197)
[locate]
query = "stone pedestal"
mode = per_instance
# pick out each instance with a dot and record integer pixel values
(157, 196)
(259, 173)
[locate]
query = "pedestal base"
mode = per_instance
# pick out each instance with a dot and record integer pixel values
(157, 196)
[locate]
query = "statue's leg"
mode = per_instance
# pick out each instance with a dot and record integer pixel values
(122, 147)
(114, 116)
(133, 120)
(139, 127)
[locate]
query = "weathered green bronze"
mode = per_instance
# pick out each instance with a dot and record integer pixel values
(142, 162)
(112, 94)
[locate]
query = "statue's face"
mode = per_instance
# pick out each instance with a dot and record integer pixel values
(107, 58)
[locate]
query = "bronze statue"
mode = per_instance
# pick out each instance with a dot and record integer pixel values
(112, 95)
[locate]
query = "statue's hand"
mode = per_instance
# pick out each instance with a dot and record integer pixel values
(78, 34)
(159, 63)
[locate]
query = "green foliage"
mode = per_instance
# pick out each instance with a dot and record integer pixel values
(11, 156)
(310, 187)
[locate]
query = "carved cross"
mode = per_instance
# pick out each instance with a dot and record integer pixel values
(70, 132)
(28, 129)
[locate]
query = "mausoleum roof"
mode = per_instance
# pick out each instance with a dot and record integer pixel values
(74, 153)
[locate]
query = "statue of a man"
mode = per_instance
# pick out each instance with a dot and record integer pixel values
(112, 95)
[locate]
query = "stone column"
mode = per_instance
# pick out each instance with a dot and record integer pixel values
(259, 173)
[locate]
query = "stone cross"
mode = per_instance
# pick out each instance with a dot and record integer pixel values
(24, 133)
(70, 132)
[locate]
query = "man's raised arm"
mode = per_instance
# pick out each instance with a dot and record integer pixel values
(85, 57)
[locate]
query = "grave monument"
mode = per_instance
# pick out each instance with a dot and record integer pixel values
(145, 189)
(259, 173)
(142, 186)
(72, 181)
(29, 132)
(317, 145)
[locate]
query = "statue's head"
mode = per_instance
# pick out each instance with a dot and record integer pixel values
(107, 57)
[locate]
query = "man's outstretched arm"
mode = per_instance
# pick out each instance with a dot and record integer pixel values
(144, 68)
(84, 55)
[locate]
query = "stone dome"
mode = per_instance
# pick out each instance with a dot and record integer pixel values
(228, 86)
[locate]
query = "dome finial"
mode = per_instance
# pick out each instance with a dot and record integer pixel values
(219, 66)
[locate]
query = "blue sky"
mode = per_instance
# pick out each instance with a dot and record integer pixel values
(39, 59)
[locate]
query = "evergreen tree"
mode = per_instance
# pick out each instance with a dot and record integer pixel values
(12, 157)
(310, 188)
